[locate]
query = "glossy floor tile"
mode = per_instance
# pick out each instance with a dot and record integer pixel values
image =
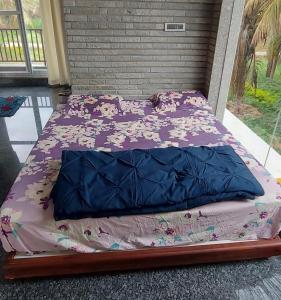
(19, 133)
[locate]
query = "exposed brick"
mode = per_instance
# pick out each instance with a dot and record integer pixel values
(121, 47)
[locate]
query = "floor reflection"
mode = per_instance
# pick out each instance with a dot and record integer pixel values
(26, 125)
(19, 133)
(9, 161)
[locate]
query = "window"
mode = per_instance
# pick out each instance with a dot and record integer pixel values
(21, 40)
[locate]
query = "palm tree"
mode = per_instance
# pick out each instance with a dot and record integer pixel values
(269, 31)
(259, 22)
(273, 54)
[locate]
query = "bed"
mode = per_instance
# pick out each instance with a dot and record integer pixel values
(224, 231)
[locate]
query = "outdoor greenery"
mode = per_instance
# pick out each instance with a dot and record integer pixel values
(10, 38)
(261, 105)
(256, 80)
(31, 14)
(11, 48)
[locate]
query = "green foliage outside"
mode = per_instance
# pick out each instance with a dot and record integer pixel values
(265, 99)
(31, 14)
(262, 96)
(10, 40)
(15, 50)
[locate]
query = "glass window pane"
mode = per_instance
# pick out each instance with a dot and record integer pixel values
(9, 22)
(31, 13)
(11, 47)
(277, 135)
(273, 160)
(7, 5)
(253, 105)
(34, 34)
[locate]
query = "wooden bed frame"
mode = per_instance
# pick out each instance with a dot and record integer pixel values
(109, 261)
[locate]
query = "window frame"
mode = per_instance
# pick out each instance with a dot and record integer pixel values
(28, 66)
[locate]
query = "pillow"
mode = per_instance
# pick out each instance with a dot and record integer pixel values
(170, 101)
(95, 105)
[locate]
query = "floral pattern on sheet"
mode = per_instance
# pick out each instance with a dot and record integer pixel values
(87, 106)
(27, 223)
(172, 101)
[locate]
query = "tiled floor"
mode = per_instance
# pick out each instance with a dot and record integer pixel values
(19, 133)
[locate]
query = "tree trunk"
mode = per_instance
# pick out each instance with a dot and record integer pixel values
(274, 48)
(238, 104)
(269, 66)
(273, 67)
(244, 53)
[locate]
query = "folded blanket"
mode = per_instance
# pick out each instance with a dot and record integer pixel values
(99, 184)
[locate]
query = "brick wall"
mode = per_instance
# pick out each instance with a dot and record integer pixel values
(121, 47)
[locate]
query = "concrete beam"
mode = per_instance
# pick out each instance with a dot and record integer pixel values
(227, 40)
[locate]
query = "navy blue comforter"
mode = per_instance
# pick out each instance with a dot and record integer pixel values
(99, 184)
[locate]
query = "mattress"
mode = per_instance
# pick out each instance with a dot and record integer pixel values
(27, 223)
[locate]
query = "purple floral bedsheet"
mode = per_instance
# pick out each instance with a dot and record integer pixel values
(27, 223)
